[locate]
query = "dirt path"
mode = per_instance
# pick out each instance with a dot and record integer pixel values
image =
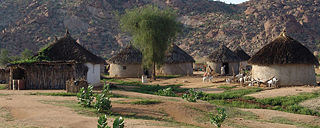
(283, 92)
(18, 109)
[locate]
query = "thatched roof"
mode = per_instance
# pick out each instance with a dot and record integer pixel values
(223, 55)
(283, 50)
(66, 49)
(131, 55)
(177, 55)
(128, 55)
(242, 54)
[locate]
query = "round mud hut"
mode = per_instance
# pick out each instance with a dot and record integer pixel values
(223, 56)
(177, 62)
(243, 56)
(287, 60)
(127, 63)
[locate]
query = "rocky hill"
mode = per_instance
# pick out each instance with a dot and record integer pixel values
(32, 23)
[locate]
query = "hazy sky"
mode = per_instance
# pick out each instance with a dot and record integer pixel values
(234, 1)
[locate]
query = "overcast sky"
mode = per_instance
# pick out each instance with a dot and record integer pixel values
(234, 1)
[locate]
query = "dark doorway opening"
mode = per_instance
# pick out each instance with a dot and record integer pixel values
(226, 67)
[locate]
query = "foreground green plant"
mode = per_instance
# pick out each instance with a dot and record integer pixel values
(218, 119)
(117, 123)
(103, 103)
(192, 95)
(85, 96)
(166, 92)
(102, 122)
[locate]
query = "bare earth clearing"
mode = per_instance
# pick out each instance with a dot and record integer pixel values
(20, 109)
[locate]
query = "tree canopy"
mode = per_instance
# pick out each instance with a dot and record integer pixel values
(153, 30)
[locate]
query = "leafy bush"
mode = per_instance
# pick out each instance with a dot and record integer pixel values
(192, 95)
(102, 103)
(219, 118)
(85, 97)
(118, 122)
(166, 92)
(102, 122)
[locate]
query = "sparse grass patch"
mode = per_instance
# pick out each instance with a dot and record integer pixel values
(283, 120)
(54, 94)
(239, 104)
(230, 94)
(168, 76)
(227, 87)
(146, 102)
(3, 86)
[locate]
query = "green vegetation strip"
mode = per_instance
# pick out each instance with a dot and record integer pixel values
(148, 89)
(3, 86)
(237, 98)
(227, 87)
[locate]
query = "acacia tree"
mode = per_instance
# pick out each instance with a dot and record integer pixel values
(153, 30)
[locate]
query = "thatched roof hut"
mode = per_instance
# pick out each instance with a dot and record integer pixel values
(285, 59)
(67, 49)
(127, 63)
(243, 56)
(128, 55)
(178, 62)
(176, 55)
(224, 57)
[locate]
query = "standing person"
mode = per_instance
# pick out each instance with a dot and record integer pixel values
(223, 72)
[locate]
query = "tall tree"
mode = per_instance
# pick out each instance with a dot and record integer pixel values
(4, 57)
(153, 30)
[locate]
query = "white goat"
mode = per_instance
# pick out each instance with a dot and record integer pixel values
(209, 78)
(273, 82)
(228, 80)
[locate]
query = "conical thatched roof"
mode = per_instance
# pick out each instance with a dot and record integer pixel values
(242, 54)
(177, 55)
(128, 55)
(223, 55)
(283, 50)
(67, 49)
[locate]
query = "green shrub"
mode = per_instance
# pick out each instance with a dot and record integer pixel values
(192, 95)
(218, 119)
(102, 122)
(166, 92)
(85, 97)
(103, 103)
(118, 122)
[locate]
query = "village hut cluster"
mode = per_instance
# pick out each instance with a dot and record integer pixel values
(283, 61)
(128, 63)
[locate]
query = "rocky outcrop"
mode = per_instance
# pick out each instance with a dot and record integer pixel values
(207, 24)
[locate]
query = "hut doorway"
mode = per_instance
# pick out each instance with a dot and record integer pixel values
(226, 67)
(18, 74)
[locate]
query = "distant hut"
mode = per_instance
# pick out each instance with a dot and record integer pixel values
(45, 74)
(223, 56)
(287, 60)
(243, 56)
(67, 49)
(127, 63)
(177, 62)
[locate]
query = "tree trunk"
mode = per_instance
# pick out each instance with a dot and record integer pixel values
(154, 71)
